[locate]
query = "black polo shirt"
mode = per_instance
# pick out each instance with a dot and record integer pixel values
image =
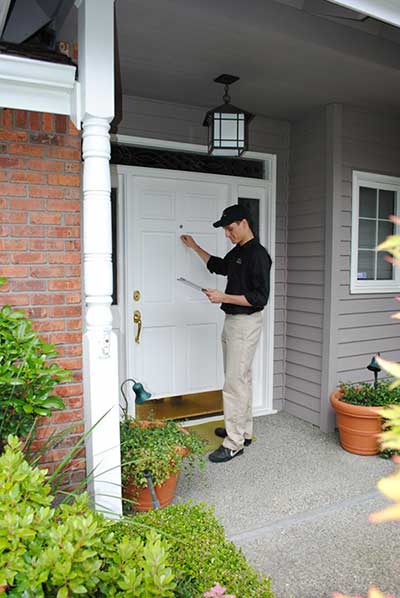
(247, 268)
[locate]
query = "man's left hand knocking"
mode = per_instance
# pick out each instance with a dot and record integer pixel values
(214, 295)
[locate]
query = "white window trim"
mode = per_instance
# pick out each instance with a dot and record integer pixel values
(379, 181)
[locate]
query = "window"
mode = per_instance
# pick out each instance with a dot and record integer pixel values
(253, 208)
(375, 199)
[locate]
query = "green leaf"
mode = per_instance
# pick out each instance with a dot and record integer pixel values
(392, 242)
(62, 592)
(78, 588)
(53, 403)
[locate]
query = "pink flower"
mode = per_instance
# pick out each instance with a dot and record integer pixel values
(216, 591)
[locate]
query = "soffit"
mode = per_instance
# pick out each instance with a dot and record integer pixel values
(289, 60)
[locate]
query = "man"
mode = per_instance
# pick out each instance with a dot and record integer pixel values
(247, 267)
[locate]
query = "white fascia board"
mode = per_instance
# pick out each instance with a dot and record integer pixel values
(28, 84)
(384, 10)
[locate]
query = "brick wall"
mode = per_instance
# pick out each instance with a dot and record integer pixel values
(40, 161)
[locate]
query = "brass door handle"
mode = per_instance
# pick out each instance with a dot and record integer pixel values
(137, 319)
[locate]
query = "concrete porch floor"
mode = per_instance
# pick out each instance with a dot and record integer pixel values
(298, 505)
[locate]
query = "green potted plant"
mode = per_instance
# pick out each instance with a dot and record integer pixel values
(157, 449)
(358, 416)
(28, 375)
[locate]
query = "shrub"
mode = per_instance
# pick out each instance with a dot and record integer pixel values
(370, 396)
(27, 379)
(200, 553)
(70, 550)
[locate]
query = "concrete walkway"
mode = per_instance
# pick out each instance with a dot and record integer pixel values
(298, 505)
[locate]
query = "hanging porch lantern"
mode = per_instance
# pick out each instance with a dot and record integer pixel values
(228, 126)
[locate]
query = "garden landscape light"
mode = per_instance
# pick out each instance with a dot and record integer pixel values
(374, 366)
(140, 393)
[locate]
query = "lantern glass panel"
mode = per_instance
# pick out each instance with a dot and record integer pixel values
(226, 152)
(217, 128)
(241, 133)
(229, 130)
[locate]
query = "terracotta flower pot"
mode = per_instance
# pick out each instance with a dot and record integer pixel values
(359, 426)
(165, 492)
(142, 498)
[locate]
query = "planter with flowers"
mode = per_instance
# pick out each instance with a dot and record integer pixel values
(357, 409)
(152, 453)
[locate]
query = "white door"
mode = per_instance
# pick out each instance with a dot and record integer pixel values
(179, 349)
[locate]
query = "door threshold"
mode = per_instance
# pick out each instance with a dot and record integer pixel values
(201, 420)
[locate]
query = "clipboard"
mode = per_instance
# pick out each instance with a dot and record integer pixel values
(191, 284)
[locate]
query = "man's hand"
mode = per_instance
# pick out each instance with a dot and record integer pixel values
(188, 241)
(214, 295)
(191, 243)
(220, 297)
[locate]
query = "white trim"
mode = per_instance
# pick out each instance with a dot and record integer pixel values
(384, 10)
(378, 181)
(3, 14)
(187, 423)
(28, 84)
(270, 161)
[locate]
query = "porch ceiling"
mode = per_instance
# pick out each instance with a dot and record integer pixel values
(289, 58)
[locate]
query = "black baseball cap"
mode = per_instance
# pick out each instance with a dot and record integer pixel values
(232, 214)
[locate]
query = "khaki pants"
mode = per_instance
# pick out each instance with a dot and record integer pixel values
(239, 342)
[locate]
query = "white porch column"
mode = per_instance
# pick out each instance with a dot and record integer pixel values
(96, 74)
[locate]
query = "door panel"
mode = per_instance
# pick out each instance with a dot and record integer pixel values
(179, 350)
(157, 362)
(203, 350)
(158, 249)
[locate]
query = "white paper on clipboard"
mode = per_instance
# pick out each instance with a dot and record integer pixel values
(190, 284)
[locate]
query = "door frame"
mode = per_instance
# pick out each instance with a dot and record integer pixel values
(121, 313)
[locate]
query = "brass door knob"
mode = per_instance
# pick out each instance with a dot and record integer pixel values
(137, 319)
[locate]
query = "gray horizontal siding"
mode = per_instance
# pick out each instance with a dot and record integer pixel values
(153, 119)
(370, 142)
(305, 276)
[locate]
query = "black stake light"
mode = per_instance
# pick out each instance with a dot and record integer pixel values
(228, 126)
(150, 485)
(374, 366)
(141, 395)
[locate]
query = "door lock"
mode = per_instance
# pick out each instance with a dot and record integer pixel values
(136, 295)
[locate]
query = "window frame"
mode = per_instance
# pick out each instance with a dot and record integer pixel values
(380, 182)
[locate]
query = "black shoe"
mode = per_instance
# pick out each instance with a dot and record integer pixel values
(223, 454)
(221, 433)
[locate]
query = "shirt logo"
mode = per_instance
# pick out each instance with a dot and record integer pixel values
(239, 260)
